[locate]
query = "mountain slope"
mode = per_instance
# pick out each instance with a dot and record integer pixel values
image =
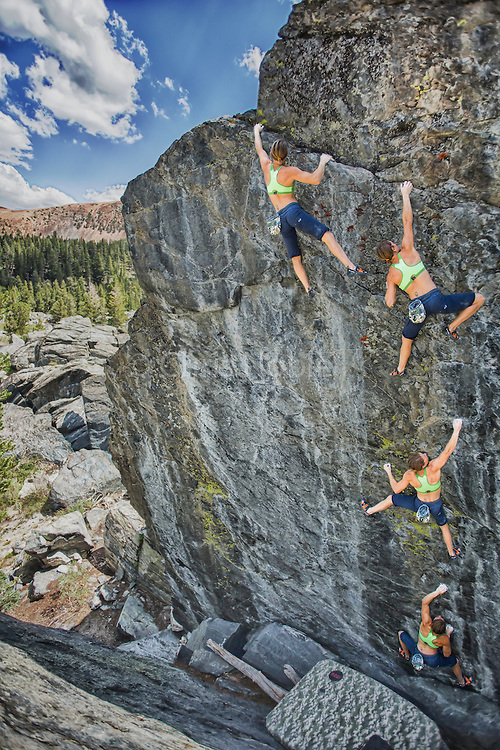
(86, 221)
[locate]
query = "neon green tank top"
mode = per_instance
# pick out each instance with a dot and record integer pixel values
(274, 186)
(425, 485)
(428, 639)
(409, 273)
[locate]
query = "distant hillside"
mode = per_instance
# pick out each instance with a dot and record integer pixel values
(86, 221)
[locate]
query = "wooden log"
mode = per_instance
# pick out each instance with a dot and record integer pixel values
(291, 674)
(269, 688)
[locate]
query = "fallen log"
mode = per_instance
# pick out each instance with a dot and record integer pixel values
(269, 688)
(291, 674)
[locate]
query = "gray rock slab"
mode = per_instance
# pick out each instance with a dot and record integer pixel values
(230, 635)
(146, 689)
(69, 529)
(41, 583)
(97, 405)
(24, 357)
(134, 620)
(34, 435)
(320, 714)
(123, 537)
(274, 645)
(40, 385)
(96, 518)
(162, 646)
(40, 711)
(84, 473)
(77, 338)
(10, 344)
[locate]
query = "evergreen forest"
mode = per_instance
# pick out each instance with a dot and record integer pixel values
(64, 278)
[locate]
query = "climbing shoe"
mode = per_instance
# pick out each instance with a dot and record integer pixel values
(310, 292)
(396, 372)
(365, 507)
(456, 553)
(402, 653)
(467, 681)
(450, 334)
(356, 271)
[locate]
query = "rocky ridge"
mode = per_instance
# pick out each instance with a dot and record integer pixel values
(75, 221)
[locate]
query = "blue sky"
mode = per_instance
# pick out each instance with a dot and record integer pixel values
(93, 91)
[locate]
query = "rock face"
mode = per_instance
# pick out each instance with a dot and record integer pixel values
(60, 372)
(401, 89)
(45, 693)
(88, 721)
(343, 712)
(249, 420)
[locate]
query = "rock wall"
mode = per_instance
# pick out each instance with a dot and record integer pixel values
(61, 690)
(250, 420)
(403, 89)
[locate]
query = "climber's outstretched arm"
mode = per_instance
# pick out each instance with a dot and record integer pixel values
(262, 154)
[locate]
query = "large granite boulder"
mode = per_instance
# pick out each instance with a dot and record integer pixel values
(274, 646)
(60, 371)
(40, 385)
(34, 435)
(41, 710)
(248, 420)
(76, 338)
(66, 688)
(335, 707)
(123, 538)
(84, 473)
(403, 89)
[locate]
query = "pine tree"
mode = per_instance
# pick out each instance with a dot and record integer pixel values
(116, 307)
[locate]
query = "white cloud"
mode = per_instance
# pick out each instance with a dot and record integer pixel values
(124, 37)
(15, 145)
(42, 123)
(111, 193)
(81, 75)
(7, 69)
(15, 192)
(158, 112)
(252, 60)
(183, 101)
(169, 83)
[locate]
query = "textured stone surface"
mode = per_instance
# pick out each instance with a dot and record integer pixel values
(76, 338)
(162, 646)
(275, 645)
(230, 635)
(135, 621)
(249, 420)
(84, 473)
(40, 584)
(138, 685)
(39, 710)
(345, 713)
(403, 89)
(97, 407)
(34, 435)
(123, 538)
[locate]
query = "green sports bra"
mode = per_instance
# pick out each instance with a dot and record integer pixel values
(409, 273)
(274, 186)
(425, 485)
(428, 639)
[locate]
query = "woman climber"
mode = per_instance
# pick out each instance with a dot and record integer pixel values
(433, 647)
(290, 213)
